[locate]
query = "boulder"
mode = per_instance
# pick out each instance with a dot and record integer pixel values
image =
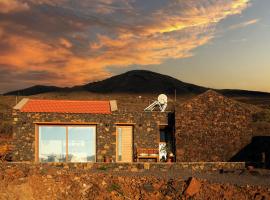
(193, 187)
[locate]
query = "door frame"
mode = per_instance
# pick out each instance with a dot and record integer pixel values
(132, 142)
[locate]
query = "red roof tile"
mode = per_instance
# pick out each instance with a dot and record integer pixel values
(65, 106)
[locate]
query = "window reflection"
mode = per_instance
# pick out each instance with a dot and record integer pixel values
(81, 144)
(52, 144)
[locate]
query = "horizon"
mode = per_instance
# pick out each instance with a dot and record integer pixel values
(215, 44)
(139, 70)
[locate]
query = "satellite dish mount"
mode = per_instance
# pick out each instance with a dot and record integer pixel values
(161, 103)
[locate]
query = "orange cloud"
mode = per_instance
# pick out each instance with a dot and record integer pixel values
(28, 54)
(7, 6)
(78, 43)
(65, 43)
(171, 34)
(244, 24)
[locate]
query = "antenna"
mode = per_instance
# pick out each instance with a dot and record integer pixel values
(161, 102)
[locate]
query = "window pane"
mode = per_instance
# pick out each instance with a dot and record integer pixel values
(52, 144)
(81, 144)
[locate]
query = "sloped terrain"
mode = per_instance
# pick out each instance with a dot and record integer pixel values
(140, 82)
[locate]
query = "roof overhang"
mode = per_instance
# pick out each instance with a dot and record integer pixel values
(66, 106)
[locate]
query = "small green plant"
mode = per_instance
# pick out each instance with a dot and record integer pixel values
(43, 171)
(115, 187)
(103, 168)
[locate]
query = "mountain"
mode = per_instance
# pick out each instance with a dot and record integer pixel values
(141, 81)
(137, 81)
(243, 93)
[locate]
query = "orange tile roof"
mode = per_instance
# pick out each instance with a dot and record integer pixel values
(65, 106)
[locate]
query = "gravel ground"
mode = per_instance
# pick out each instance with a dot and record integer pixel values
(239, 177)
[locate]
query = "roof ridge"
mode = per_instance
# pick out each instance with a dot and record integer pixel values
(212, 94)
(69, 100)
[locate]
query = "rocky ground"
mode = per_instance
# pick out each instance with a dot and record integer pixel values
(44, 182)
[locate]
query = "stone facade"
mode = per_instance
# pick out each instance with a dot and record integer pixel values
(207, 128)
(145, 130)
(211, 127)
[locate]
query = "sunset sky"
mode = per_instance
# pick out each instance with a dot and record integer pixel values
(213, 43)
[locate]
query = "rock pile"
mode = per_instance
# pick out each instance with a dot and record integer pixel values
(193, 188)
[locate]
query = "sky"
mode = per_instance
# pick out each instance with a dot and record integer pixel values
(212, 43)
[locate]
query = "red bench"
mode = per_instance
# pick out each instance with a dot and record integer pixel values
(147, 153)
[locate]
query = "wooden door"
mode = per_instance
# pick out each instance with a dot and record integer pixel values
(124, 143)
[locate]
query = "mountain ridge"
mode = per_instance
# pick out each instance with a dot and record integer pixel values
(136, 81)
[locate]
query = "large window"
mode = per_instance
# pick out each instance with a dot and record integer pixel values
(81, 144)
(67, 143)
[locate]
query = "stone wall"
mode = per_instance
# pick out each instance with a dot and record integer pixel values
(132, 167)
(145, 131)
(211, 127)
(5, 124)
(6, 128)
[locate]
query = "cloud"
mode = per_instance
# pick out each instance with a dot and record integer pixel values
(26, 55)
(239, 40)
(65, 42)
(73, 42)
(8, 6)
(244, 24)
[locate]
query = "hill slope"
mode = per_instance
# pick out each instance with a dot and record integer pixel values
(141, 81)
(137, 81)
(37, 89)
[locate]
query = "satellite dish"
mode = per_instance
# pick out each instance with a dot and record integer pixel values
(161, 102)
(162, 99)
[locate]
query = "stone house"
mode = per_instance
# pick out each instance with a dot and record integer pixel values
(209, 127)
(85, 131)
